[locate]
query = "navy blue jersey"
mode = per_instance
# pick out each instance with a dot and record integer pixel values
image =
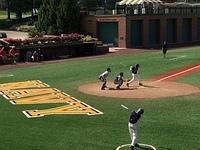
(134, 117)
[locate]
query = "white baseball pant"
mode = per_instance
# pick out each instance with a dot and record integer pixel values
(135, 77)
(133, 132)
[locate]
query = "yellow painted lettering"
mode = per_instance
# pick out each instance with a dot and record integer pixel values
(42, 99)
(22, 85)
(73, 108)
(21, 93)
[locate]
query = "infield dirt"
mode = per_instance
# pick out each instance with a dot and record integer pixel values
(150, 89)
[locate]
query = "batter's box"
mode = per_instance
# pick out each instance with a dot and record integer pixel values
(139, 147)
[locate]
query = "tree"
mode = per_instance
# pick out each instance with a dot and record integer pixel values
(43, 22)
(73, 15)
(35, 5)
(52, 16)
(68, 16)
(58, 16)
(111, 3)
(88, 4)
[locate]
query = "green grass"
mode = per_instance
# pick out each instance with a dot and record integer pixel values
(4, 15)
(169, 123)
(7, 23)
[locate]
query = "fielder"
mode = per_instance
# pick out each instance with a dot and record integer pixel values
(119, 80)
(135, 77)
(132, 126)
(103, 77)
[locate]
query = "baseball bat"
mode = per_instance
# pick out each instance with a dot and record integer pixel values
(123, 106)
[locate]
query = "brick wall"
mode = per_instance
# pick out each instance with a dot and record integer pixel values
(89, 25)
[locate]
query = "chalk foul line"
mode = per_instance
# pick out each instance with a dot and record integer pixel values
(6, 75)
(179, 73)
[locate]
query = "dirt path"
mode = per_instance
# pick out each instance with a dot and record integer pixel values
(15, 34)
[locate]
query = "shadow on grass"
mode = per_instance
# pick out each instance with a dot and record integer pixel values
(111, 88)
(164, 148)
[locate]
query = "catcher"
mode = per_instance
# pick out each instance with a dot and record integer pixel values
(119, 80)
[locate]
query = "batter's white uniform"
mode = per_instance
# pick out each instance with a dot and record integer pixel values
(135, 76)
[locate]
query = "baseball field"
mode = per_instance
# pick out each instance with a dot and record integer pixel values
(169, 122)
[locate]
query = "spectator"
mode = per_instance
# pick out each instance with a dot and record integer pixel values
(28, 56)
(12, 54)
(3, 55)
(35, 56)
(40, 55)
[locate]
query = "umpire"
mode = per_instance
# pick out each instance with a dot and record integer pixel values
(103, 77)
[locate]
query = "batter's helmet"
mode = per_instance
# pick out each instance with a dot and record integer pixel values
(108, 69)
(140, 111)
(137, 65)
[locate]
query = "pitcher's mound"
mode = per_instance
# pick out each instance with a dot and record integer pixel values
(150, 89)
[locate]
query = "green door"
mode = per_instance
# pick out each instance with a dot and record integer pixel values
(198, 29)
(186, 30)
(108, 32)
(154, 32)
(136, 33)
(171, 30)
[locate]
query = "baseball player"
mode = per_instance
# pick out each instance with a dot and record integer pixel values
(134, 71)
(164, 49)
(103, 77)
(119, 80)
(132, 126)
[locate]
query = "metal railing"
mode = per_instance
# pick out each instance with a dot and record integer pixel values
(160, 10)
(149, 10)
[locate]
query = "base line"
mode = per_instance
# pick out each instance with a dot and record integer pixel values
(6, 75)
(179, 73)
